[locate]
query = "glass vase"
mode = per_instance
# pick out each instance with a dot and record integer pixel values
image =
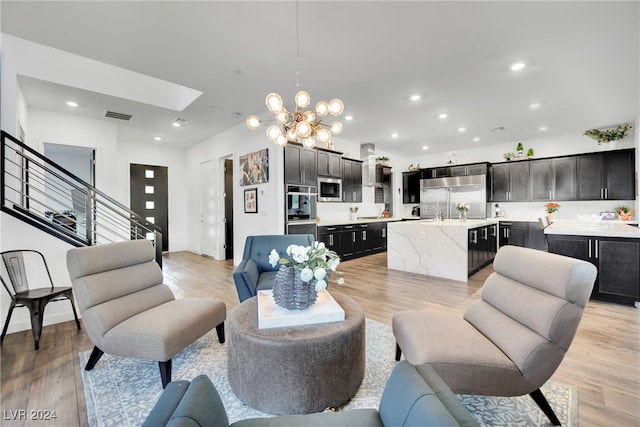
(463, 216)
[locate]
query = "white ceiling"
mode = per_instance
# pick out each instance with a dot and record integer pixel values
(582, 64)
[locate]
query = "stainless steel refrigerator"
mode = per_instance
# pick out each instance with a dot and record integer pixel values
(439, 196)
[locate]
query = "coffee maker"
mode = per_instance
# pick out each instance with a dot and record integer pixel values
(415, 211)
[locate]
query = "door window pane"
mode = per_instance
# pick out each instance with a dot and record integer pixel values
(149, 205)
(149, 189)
(148, 173)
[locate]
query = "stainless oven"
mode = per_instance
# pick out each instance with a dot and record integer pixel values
(301, 209)
(329, 189)
(301, 203)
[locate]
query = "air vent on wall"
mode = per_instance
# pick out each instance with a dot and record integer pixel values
(119, 116)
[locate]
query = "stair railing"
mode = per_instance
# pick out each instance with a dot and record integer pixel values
(42, 193)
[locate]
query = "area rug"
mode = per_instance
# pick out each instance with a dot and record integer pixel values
(121, 391)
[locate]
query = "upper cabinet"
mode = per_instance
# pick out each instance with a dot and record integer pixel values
(510, 182)
(552, 179)
(300, 165)
(411, 186)
(608, 175)
(329, 164)
(352, 180)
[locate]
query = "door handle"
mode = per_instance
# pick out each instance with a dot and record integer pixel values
(330, 239)
(364, 235)
(596, 249)
(589, 248)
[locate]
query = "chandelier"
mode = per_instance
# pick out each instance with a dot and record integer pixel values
(301, 126)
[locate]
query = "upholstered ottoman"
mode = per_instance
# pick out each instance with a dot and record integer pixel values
(296, 369)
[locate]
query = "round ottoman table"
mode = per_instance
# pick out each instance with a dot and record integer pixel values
(295, 369)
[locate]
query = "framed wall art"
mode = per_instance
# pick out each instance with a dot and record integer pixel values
(251, 200)
(254, 167)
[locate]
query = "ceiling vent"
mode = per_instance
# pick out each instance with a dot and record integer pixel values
(118, 116)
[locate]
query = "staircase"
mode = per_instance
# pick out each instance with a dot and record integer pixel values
(43, 194)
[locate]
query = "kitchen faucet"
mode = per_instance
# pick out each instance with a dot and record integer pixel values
(438, 214)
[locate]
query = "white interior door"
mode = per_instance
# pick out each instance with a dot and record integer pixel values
(208, 209)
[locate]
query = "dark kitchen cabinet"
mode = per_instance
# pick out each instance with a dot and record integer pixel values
(300, 165)
(617, 260)
(411, 187)
(352, 180)
(331, 237)
(482, 246)
(329, 164)
(608, 175)
(552, 179)
(510, 182)
(348, 241)
(513, 233)
(377, 236)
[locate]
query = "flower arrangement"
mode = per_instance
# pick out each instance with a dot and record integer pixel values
(551, 207)
(463, 206)
(314, 263)
(608, 135)
(625, 213)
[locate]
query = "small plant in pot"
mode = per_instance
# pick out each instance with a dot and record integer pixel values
(530, 153)
(520, 149)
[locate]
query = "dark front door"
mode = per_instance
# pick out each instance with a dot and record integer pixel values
(228, 209)
(148, 189)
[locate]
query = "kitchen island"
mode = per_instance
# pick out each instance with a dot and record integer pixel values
(439, 248)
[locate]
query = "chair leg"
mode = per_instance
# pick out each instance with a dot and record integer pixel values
(220, 331)
(73, 307)
(96, 354)
(398, 352)
(36, 309)
(542, 402)
(6, 324)
(165, 372)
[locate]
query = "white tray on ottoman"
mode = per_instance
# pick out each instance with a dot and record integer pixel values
(271, 315)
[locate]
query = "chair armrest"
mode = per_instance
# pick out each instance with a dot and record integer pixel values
(245, 277)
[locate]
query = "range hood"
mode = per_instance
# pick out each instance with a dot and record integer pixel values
(368, 157)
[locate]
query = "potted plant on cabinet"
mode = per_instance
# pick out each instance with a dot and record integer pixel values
(609, 135)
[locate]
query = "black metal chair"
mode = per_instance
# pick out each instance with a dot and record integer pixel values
(34, 298)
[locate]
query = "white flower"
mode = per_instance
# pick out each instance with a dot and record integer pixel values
(306, 274)
(340, 281)
(333, 264)
(313, 262)
(273, 258)
(319, 273)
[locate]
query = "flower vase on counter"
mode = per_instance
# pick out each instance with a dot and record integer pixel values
(462, 208)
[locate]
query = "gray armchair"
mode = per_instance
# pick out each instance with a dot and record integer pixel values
(128, 311)
(511, 340)
(254, 271)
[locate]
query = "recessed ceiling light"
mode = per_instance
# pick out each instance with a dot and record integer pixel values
(542, 128)
(462, 129)
(425, 147)
(175, 124)
(415, 97)
(157, 138)
(476, 139)
(442, 116)
(72, 104)
(534, 106)
(394, 135)
(517, 66)
(348, 117)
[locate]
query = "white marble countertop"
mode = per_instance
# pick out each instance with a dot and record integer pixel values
(602, 229)
(325, 223)
(469, 223)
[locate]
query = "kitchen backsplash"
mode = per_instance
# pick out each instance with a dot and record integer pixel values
(569, 210)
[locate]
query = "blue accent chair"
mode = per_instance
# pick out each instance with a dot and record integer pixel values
(254, 272)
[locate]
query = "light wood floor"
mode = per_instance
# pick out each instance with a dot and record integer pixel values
(603, 360)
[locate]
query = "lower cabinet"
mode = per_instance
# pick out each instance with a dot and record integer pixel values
(522, 233)
(482, 246)
(354, 240)
(617, 260)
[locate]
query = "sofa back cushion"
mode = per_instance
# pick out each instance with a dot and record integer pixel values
(258, 248)
(417, 396)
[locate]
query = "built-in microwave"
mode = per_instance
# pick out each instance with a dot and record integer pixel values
(329, 189)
